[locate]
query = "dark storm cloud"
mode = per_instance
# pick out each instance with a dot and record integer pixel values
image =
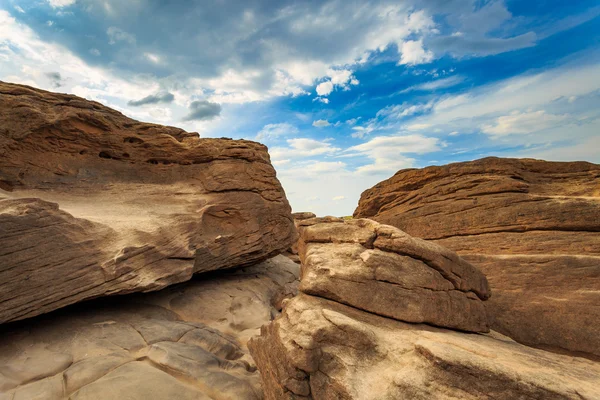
(164, 97)
(203, 110)
(55, 78)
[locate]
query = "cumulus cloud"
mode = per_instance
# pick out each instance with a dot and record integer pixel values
(320, 123)
(161, 97)
(413, 53)
(274, 131)
(338, 78)
(203, 110)
(324, 88)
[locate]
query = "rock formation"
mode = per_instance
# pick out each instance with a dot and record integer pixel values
(383, 270)
(185, 342)
(321, 349)
(93, 203)
(292, 252)
(533, 227)
(344, 337)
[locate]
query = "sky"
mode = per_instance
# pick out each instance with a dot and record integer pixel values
(344, 93)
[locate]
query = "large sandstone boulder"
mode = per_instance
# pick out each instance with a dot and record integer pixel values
(94, 203)
(381, 269)
(533, 227)
(187, 341)
(321, 349)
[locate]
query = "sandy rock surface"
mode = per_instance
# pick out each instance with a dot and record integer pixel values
(185, 342)
(533, 228)
(320, 349)
(94, 203)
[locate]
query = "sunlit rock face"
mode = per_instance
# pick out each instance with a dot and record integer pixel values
(93, 203)
(533, 228)
(362, 327)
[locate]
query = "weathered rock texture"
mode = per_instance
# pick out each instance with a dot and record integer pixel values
(93, 203)
(185, 342)
(292, 252)
(533, 227)
(320, 349)
(383, 270)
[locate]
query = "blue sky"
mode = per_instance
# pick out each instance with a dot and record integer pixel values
(344, 93)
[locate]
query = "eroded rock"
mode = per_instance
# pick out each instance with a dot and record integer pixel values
(182, 342)
(383, 270)
(321, 349)
(533, 227)
(93, 203)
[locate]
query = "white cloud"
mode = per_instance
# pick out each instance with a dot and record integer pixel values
(417, 127)
(323, 100)
(522, 123)
(338, 198)
(413, 53)
(61, 3)
(324, 88)
(338, 79)
(95, 52)
(387, 152)
(303, 148)
(279, 163)
(274, 131)
(437, 84)
(153, 57)
(584, 150)
(320, 123)
(19, 9)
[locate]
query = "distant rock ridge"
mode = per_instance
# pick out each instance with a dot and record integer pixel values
(94, 203)
(532, 226)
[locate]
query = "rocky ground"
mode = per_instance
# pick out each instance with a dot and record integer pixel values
(141, 262)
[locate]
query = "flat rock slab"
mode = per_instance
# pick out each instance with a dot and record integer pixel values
(171, 344)
(383, 270)
(532, 226)
(93, 203)
(320, 349)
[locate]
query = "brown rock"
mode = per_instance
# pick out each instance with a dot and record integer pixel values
(186, 341)
(319, 349)
(94, 203)
(533, 227)
(382, 270)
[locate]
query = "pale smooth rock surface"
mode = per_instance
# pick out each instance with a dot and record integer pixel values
(381, 269)
(531, 226)
(320, 349)
(93, 203)
(185, 342)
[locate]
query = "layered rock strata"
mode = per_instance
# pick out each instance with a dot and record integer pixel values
(533, 227)
(93, 203)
